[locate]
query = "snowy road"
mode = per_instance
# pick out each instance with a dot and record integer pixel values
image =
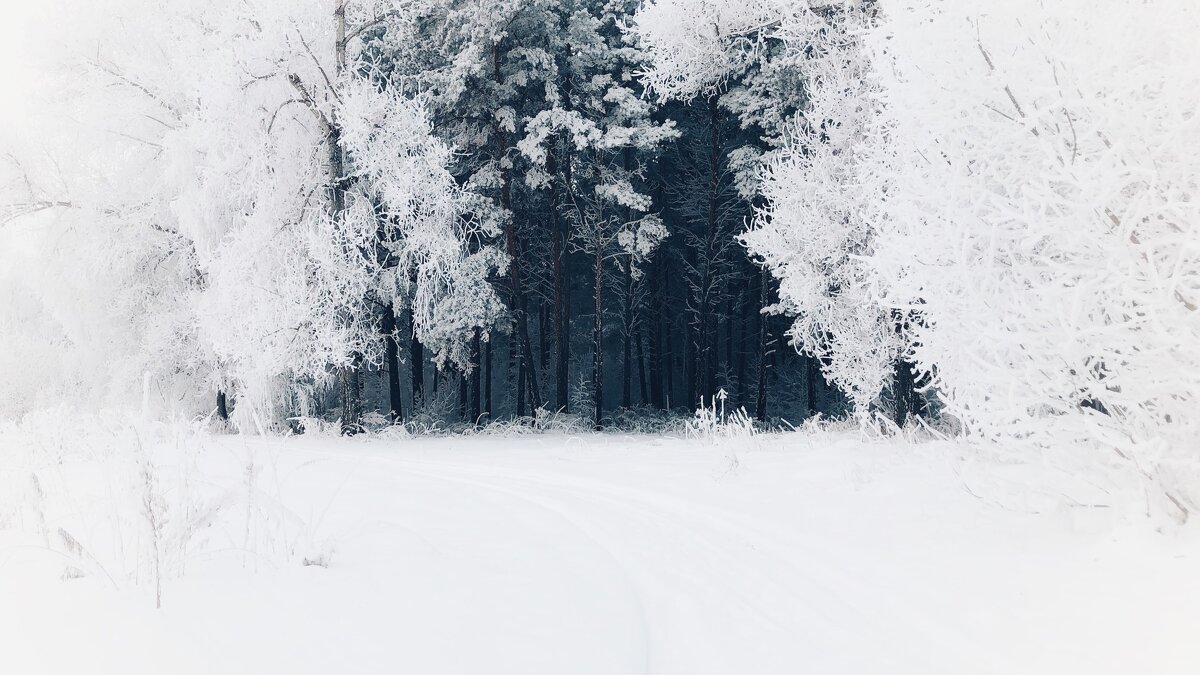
(614, 555)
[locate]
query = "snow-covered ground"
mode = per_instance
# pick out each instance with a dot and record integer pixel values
(562, 554)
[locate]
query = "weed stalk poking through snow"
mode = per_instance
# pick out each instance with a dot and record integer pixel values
(154, 510)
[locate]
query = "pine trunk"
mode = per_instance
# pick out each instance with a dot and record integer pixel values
(760, 407)
(740, 352)
(627, 336)
(527, 367)
(416, 355)
(476, 370)
(654, 333)
(692, 333)
(557, 253)
(487, 378)
(812, 370)
(392, 357)
(643, 392)
(462, 395)
(728, 366)
(669, 357)
(543, 339)
(349, 376)
(222, 406)
(598, 326)
(708, 328)
(520, 387)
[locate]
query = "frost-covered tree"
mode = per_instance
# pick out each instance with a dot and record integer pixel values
(814, 228)
(701, 194)
(1000, 194)
(484, 66)
(292, 194)
(590, 144)
(787, 69)
(519, 88)
(337, 196)
(95, 275)
(1041, 216)
(251, 209)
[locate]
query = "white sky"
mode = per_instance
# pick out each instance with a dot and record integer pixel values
(17, 69)
(32, 34)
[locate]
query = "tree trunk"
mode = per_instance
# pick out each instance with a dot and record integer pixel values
(905, 385)
(670, 361)
(627, 309)
(654, 333)
(760, 407)
(740, 353)
(416, 355)
(564, 357)
(627, 335)
(487, 378)
(349, 376)
(904, 392)
(598, 326)
(520, 386)
(564, 325)
(691, 334)
(669, 357)
(643, 392)
(557, 252)
(222, 406)
(515, 378)
(462, 395)
(729, 312)
(708, 328)
(527, 368)
(531, 380)
(812, 369)
(392, 355)
(476, 383)
(543, 339)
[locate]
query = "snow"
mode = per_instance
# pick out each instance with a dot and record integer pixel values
(604, 554)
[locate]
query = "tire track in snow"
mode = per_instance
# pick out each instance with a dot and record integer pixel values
(634, 596)
(828, 569)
